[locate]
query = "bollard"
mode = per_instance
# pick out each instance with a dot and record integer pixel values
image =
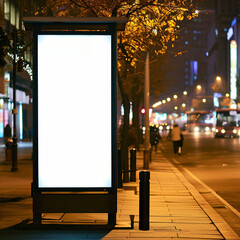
(144, 177)
(120, 185)
(133, 165)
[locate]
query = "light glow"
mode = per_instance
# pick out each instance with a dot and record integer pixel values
(156, 104)
(196, 129)
(233, 70)
(20, 121)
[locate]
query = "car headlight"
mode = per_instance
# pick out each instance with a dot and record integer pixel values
(196, 129)
(161, 128)
(234, 131)
(223, 131)
(207, 129)
(168, 127)
(216, 130)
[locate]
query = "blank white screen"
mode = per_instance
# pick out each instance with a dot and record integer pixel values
(74, 111)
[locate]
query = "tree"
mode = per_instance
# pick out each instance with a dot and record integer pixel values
(4, 43)
(152, 24)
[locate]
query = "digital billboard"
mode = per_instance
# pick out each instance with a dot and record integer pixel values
(74, 110)
(233, 70)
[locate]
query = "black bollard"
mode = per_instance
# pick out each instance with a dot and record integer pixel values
(144, 177)
(133, 165)
(120, 185)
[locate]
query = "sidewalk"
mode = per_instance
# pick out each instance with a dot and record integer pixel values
(177, 210)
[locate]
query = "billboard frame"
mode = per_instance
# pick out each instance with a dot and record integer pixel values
(84, 200)
(113, 121)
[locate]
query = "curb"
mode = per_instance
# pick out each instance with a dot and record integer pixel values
(217, 220)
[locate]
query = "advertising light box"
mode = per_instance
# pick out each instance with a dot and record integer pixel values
(74, 111)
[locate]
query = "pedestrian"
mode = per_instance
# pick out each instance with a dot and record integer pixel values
(154, 137)
(181, 144)
(177, 139)
(7, 133)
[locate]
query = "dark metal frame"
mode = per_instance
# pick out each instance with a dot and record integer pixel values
(84, 200)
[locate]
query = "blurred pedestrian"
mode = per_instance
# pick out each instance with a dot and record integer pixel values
(7, 133)
(181, 144)
(176, 137)
(154, 137)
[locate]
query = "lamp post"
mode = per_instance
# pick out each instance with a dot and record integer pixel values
(146, 105)
(218, 78)
(14, 110)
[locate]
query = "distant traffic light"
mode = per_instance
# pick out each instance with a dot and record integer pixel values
(143, 111)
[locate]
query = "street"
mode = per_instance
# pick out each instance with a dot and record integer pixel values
(214, 162)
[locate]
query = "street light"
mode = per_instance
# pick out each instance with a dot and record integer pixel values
(199, 87)
(184, 105)
(185, 93)
(204, 100)
(168, 99)
(175, 96)
(218, 78)
(156, 104)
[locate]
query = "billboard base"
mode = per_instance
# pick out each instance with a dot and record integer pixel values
(74, 203)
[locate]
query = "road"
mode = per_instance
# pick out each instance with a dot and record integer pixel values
(214, 162)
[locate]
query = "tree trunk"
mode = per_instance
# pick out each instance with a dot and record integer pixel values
(136, 113)
(124, 139)
(124, 142)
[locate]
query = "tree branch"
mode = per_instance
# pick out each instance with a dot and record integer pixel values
(87, 6)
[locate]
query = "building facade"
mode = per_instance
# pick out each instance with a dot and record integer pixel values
(223, 67)
(11, 15)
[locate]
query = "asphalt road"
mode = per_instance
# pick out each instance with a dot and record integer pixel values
(215, 161)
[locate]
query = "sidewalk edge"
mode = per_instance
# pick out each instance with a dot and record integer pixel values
(227, 232)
